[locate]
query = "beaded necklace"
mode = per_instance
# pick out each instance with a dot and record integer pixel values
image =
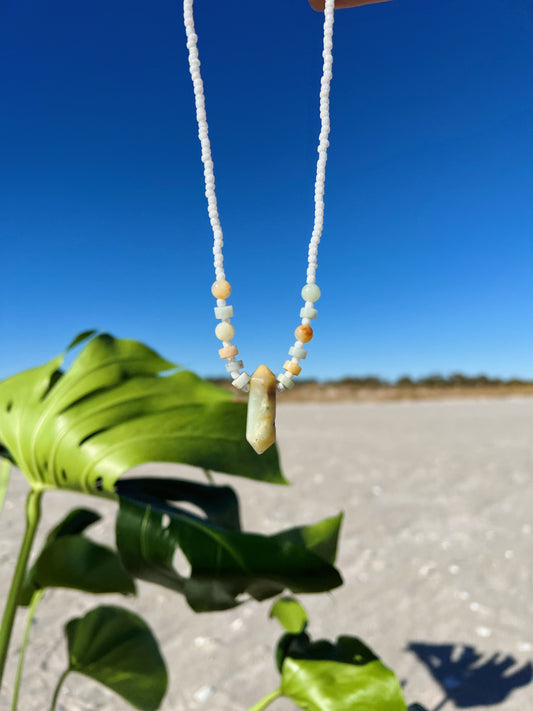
(263, 384)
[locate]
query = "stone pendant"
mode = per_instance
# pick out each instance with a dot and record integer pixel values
(261, 419)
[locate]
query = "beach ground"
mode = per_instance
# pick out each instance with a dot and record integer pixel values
(436, 549)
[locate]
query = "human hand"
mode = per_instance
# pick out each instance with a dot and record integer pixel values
(320, 4)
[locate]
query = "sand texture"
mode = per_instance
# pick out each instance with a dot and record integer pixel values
(436, 551)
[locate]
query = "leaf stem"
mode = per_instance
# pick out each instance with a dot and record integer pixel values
(58, 688)
(209, 476)
(5, 469)
(35, 600)
(33, 515)
(266, 700)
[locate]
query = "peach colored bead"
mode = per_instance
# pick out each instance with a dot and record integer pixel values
(221, 289)
(304, 334)
(228, 351)
(292, 367)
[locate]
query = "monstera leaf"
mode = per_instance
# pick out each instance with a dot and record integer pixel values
(290, 614)
(326, 685)
(324, 675)
(70, 560)
(117, 648)
(226, 563)
(114, 408)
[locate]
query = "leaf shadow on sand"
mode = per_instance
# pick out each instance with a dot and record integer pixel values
(469, 678)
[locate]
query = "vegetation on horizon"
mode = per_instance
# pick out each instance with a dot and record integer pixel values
(433, 380)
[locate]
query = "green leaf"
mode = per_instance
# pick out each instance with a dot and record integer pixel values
(78, 563)
(117, 648)
(113, 409)
(225, 562)
(69, 560)
(290, 614)
(321, 538)
(335, 686)
(340, 676)
(75, 522)
(218, 503)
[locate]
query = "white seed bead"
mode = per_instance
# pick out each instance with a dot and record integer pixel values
(298, 352)
(223, 312)
(284, 380)
(306, 312)
(224, 331)
(311, 292)
(306, 322)
(241, 381)
(233, 365)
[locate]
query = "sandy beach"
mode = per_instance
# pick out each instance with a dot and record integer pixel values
(435, 551)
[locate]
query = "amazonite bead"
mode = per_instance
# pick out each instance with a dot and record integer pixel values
(293, 368)
(224, 331)
(304, 333)
(221, 289)
(241, 381)
(232, 365)
(308, 312)
(228, 352)
(311, 292)
(261, 417)
(223, 312)
(287, 382)
(298, 352)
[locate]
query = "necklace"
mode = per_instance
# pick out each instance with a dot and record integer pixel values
(263, 384)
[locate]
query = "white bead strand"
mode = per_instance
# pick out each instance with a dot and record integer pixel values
(221, 288)
(323, 140)
(203, 135)
(311, 292)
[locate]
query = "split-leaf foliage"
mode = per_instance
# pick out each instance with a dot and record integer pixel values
(117, 648)
(69, 559)
(83, 428)
(344, 675)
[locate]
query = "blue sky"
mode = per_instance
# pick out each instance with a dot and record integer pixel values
(426, 261)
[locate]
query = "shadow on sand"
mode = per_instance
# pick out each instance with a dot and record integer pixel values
(467, 677)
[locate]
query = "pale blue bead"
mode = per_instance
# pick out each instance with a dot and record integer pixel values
(223, 311)
(308, 312)
(311, 292)
(287, 383)
(233, 365)
(241, 381)
(298, 352)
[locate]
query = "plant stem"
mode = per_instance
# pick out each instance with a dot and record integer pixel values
(5, 468)
(266, 700)
(33, 515)
(35, 600)
(58, 688)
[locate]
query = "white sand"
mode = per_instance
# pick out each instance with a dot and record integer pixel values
(435, 548)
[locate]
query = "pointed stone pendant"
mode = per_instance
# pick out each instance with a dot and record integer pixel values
(261, 418)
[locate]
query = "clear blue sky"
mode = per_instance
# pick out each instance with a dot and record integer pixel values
(426, 262)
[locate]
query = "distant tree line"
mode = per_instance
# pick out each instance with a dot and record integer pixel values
(434, 380)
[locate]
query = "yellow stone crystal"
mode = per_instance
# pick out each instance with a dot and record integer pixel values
(261, 420)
